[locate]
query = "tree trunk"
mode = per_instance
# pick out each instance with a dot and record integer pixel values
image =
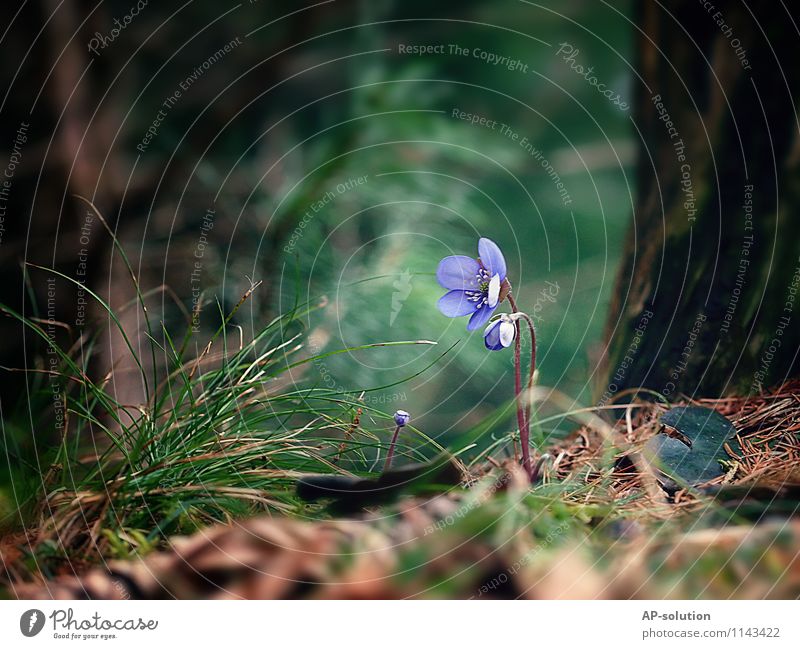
(706, 299)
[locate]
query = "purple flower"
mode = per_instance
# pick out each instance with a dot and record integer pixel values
(401, 418)
(474, 285)
(499, 334)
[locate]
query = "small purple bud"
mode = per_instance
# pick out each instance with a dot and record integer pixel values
(500, 333)
(401, 418)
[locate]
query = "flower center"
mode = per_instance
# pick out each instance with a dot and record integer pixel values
(481, 295)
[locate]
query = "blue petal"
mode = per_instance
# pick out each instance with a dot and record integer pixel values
(455, 303)
(480, 317)
(458, 273)
(507, 331)
(491, 337)
(492, 258)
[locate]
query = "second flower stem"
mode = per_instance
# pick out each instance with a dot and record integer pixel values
(392, 444)
(523, 409)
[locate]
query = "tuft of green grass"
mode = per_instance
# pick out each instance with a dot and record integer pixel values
(226, 428)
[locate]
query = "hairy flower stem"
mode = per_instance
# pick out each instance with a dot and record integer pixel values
(390, 454)
(523, 409)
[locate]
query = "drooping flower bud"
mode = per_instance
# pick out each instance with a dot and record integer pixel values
(500, 333)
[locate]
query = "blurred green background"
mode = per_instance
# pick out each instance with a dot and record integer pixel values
(336, 167)
(434, 183)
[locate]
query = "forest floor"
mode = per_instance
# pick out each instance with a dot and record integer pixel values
(602, 523)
